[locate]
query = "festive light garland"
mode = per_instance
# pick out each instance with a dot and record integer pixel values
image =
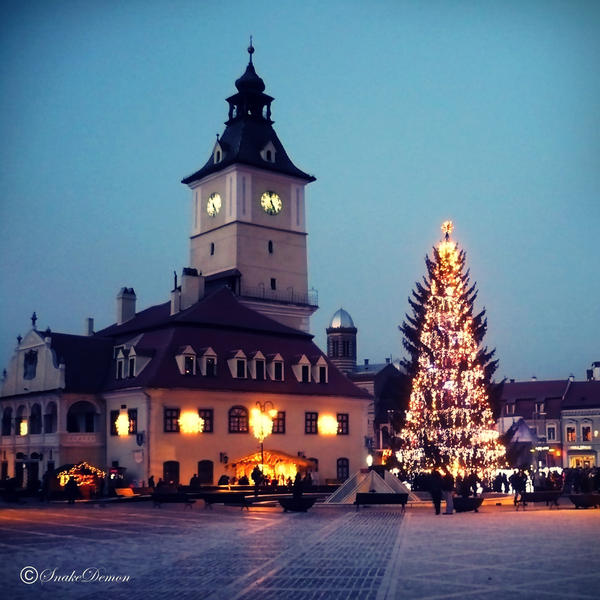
(449, 423)
(84, 474)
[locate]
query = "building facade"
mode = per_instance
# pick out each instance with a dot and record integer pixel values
(171, 391)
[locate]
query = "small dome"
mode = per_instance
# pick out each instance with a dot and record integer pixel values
(250, 81)
(341, 319)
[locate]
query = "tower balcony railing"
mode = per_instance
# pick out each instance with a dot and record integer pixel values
(288, 296)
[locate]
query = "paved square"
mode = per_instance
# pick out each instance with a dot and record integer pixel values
(327, 553)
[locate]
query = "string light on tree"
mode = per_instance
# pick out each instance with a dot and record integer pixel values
(449, 422)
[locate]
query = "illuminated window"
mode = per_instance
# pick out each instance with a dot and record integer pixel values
(571, 434)
(342, 419)
(207, 415)
(238, 420)
(343, 469)
(551, 433)
(189, 365)
(586, 433)
(310, 423)
(171, 420)
(279, 422)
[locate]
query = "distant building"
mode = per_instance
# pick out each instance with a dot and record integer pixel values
(385, 382)
(563, 417)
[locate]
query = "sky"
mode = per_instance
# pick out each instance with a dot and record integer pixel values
(408, 114)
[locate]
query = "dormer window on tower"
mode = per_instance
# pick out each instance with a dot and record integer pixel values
(268, 153)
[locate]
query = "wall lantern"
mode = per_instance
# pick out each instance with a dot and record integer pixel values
(191, 422)
(369, 460)
(327, 425)
(122, 422)
(23, 427)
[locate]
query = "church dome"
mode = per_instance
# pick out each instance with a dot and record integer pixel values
(341, 320)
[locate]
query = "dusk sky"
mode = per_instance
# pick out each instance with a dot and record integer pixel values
(408, 114)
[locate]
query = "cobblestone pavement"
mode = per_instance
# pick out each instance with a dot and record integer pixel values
(327, 553)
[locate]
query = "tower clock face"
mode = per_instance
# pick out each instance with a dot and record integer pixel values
(213, 206)
(271, 203)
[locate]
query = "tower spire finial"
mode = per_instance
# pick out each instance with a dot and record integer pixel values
(250, 49)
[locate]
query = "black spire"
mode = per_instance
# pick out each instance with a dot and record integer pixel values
(249, 130)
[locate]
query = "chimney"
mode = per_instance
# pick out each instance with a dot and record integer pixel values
(366, 362)
(192, 288)
(596, 371)
(175, 301)
(89, 326)
(388, 360)
(533, 378)
(571, 377)
(125, 305)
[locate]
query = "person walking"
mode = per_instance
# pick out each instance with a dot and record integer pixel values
(72, 490)
(435, 489)
(448, 491)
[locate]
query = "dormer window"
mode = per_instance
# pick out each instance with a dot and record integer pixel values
(275, 367)
(268, 153)
(237, 365)
(120, 368)
(189, 365)
(217, 153)
(208, 362)
(256, 366)
(131, 368)
(510, 408)
(320, 373)
(186, 360)
(302, 369)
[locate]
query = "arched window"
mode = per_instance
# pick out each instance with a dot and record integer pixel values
(81, 417)
(343, 469)
(21, 421)
(270, 247)
(50, 418)
(35, 419)
(238, 419)
(171, 472)
(7, 421)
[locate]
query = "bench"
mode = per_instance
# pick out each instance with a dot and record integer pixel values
(550, 497)
(365, 498)
(170, 497)
(235, 498)
(585, 500)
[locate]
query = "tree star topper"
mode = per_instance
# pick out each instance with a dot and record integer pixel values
(447, 227)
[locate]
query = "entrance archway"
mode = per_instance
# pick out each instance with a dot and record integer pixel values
(205, 471)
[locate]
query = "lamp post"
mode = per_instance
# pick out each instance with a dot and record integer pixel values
(261, 421)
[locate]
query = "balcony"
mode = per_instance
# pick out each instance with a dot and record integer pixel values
(288, 296)
(81, 439)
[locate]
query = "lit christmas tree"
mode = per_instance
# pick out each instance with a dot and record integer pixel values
(449, 422)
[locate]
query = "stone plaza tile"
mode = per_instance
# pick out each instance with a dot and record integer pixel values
(374, 554)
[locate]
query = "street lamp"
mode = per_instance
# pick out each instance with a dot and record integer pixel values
(261, 421)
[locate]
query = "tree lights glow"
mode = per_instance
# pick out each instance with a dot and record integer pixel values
(261, 422)
(449, 423)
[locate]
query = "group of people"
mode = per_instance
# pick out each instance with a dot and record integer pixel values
(441, 484)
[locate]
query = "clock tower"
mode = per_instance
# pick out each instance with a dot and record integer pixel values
(249, 225)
